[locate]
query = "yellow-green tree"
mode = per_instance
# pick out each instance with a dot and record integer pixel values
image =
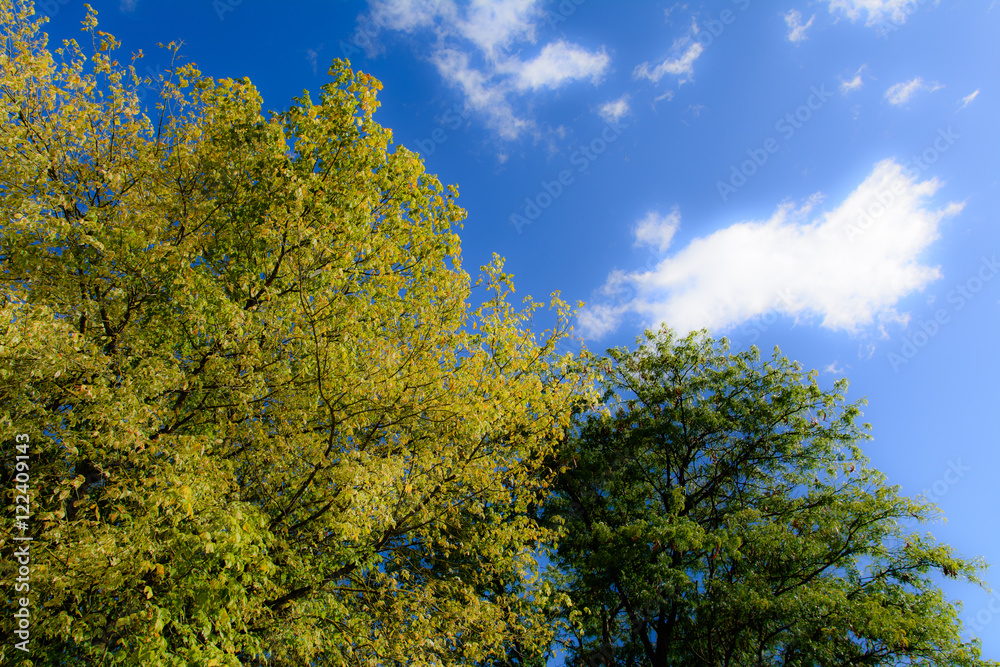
(265, 426)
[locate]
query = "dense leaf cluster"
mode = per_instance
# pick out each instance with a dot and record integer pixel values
(265, 423)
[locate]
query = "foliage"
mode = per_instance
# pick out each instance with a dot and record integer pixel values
(724, 514)
(265, 424)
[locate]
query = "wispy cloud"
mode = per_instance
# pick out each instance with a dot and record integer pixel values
(671, 9)
(680, 64)
(615, 110)
(128, 5)
(967, 100)
(477, 49)
(875, 11)
(901, 92)
(556, 64)
(806, 266)
(312, 56)
(657, 230)
(797, 29)
(481, 92)
(854, 83)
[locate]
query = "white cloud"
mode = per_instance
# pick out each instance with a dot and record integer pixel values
(847, 268)
(493, 25)
(598, 320)
(480, 93)
(558, 63)
(901, 92)
(796, 29)
(681, 65)
(615, 110)
(967, 100)
(876, 11)
(407, 15)
(657, 230)
(474, 47)
(128, 5)
(854, 83)
(833, 368)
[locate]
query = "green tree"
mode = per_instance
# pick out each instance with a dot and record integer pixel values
(265, 424)
(721, 513)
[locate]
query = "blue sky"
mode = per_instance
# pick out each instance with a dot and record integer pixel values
(821, 176)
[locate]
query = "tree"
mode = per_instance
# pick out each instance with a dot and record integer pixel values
(721, 512)
(265, 425)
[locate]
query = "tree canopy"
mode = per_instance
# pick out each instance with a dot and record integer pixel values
(260, 423)
(722, 513)
(265, 424)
